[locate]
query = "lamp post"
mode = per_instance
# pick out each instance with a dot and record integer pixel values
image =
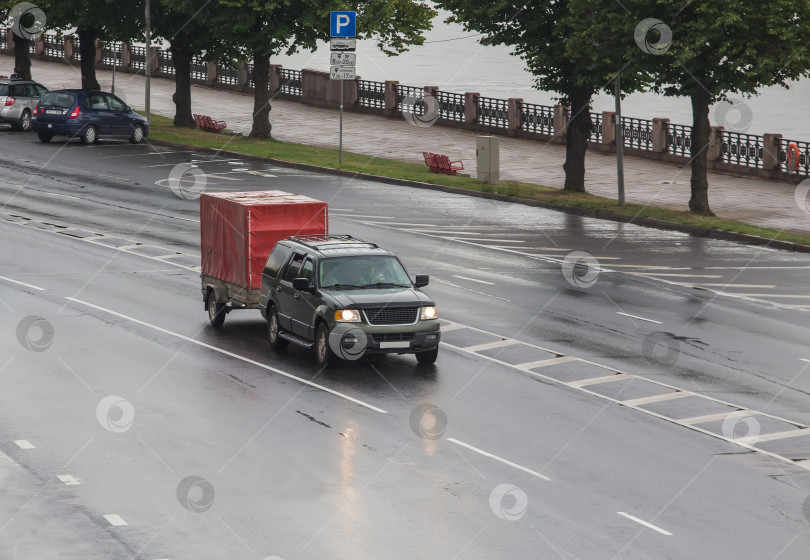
(147, 93)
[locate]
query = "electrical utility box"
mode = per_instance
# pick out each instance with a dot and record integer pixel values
(487, 154)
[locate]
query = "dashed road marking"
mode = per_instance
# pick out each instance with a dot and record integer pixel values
(500, 459)
(714, 417)
(600, 380)
(639, 318)
(658, 398)
(68, 479)
(642, 522)
(491, 345)
(24, 444)
(22, 284)
(115, 520)
(544, 363)
(472, 279)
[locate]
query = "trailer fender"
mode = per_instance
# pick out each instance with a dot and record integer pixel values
(218, 293)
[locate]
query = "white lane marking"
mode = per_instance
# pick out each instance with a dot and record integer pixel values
(471, 290)
(185, 219)
(657, 398)
(259, 173)
(68, 479)
(63, 195)
(544, 363)
(452, 327)
(764, 295)
(336, 214)
(115, 520)
(600, 380)
(732, 285)
(501, 459)
(473, 279)
(369, 222)
(642, 522)
(675, 275)
(714, 417)
(488, 240)
(784, 435)
(639, 318)
(24, 444)
(491, 345)
(22, 284)
(805, 360)
(230, 354)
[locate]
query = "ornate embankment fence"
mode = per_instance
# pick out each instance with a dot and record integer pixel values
(729, 150)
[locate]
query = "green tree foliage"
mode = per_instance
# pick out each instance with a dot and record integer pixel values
(551, 37)
(715, 49)
(265, 28)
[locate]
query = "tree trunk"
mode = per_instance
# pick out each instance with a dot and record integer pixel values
(181, 59)
(701, 130)
(87, 52)
(576, 143)
(261, 96)
(22, 58)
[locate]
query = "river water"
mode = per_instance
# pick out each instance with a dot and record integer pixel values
(453, 59)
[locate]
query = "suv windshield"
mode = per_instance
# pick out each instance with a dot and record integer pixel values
(362, 272)
(63, 100)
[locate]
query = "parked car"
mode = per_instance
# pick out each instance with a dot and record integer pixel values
(88, 114)
(18, 99)
(345, 298)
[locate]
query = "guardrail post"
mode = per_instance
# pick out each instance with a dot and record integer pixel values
(210, 73)
(715, 152)
(608, 127)
(770, 150)
(659, 135)
(70, 47)
(471, 106)
(560, 120)
(390, 97)
(513, 110)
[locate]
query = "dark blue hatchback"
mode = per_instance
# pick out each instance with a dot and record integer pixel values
(90, 115)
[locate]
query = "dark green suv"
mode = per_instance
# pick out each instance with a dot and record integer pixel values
(346, 298)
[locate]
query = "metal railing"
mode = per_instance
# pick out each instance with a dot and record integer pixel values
(3, 36)
(596, 127)
(413, 94)
(741, 149)
(371, 94)
(111, 54)
(199, 68)
(226, 75)
(290, 82)
(451, 105)
(251, 81)
(165, 64)
(679, 139)
(637, 133)
(537, 118)
(804, 157)
(137, 57)
(493, 112)
(53, 47)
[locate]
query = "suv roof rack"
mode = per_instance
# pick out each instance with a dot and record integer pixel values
(319, 242)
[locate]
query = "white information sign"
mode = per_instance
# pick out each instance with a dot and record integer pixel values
(342, 44)
(342, 59)
(342, 73)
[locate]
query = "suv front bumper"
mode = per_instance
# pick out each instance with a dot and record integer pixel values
(355, 339)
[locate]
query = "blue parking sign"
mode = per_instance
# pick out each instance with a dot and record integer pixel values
(343, 24)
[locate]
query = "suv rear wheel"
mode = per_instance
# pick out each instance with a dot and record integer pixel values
(323, 352)
(276, 342)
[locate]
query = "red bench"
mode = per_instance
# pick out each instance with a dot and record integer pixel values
(439, 163)
(209, 124)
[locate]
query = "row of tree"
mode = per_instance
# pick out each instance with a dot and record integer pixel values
(700, 49)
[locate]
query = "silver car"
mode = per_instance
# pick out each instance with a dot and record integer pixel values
(18, 98)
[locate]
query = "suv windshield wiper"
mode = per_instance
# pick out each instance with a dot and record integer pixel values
(342, 287)
(387, 285)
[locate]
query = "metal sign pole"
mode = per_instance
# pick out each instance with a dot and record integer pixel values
(340, 145)
(147, 91)
(619, 140)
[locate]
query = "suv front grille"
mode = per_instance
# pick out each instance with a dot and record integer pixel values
(392, 315)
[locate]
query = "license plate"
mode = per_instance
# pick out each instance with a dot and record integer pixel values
(54, 112)
(396, 344)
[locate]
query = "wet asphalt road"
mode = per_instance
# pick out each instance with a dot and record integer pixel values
(514, 445)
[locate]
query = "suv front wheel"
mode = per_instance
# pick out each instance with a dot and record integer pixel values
(323, 352)
(427, 358)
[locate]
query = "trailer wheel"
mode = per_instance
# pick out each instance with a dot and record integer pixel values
(216, 311)
(276, 342)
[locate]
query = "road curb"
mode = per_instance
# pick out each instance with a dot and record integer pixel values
(710, 233)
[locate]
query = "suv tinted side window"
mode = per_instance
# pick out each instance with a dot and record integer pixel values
(294, 266)
(276, 260)
(308, 271)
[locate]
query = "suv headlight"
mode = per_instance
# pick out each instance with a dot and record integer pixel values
(347, 316)
(429, 312)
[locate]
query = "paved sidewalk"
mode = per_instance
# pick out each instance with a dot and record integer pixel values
(755, 201)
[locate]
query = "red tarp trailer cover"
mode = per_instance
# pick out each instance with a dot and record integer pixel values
(239, 229)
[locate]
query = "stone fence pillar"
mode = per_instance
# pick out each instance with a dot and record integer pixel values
(659, 135)
(514, 108)
(9, 46)
(770, 150)
(390, 97)
(126, 57)
(608, 127)
(715, 152)
(275, 78)
(70, 47)
(471, 106)
(560, 120)
(39, 46)
(211, 72)
(153, 59)
(99, 51)
(242, 78)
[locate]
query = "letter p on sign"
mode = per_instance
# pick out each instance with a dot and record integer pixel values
(343, 24)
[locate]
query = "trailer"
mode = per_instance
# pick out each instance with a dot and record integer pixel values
(237, 232)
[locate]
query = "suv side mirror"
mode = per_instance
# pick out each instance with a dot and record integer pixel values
(302, 285)
(421, 281)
